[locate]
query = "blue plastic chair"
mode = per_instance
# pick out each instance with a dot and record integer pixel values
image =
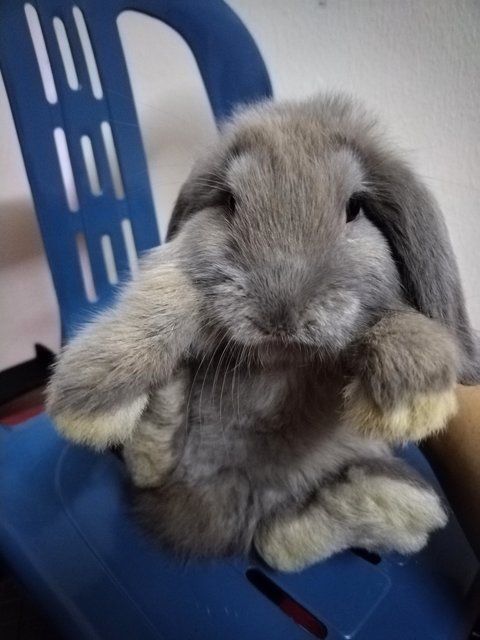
(64, 525)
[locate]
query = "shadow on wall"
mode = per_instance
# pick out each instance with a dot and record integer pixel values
(28, 308)
(20, 239)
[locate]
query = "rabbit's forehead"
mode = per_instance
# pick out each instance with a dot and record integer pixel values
(292, 167)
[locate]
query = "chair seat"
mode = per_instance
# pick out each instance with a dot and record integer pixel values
(66, 529)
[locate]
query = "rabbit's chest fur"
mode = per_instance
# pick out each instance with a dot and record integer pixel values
(277, 426)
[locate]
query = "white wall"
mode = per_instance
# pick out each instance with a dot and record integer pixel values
(416, 62)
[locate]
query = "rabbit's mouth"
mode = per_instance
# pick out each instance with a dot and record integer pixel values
(278, 354)
(282, 334)
(274, 350)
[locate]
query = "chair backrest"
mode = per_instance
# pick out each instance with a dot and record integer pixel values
(72, 104)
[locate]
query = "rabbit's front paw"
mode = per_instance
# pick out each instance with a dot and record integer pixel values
(405, 389)
(414, 418)
(100, 430)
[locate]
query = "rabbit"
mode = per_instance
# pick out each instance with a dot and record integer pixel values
(304, 316)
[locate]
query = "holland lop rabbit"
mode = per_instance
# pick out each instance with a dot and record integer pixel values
(305, 314)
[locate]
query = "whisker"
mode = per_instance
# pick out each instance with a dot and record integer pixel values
(231, 355)
(205, 378)
(212, 397)
(192, 385)
(241, 362)
(217, 370)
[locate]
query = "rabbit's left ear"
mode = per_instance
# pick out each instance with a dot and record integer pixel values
(195, 195)
(403, 209)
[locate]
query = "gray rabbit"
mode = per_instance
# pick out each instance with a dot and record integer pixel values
(305, 314)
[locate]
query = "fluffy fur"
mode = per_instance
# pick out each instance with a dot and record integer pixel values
(422, 415)
(270, 349)
(149, 455)
(367, 508)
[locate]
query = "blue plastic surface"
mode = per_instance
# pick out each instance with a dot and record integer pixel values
(231, 68)
(64, 521)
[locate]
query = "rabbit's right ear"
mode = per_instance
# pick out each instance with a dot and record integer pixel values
(408, 216)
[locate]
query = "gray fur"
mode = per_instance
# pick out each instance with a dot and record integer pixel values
(304, 139)
(133, 347)
(278, 305)
(415, 351)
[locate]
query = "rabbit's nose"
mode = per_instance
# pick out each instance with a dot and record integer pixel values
(278, 324)
(269, 331)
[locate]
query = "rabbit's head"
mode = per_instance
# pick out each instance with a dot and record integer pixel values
(301, 227)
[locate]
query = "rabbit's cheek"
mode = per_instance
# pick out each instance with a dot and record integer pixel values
(333, 322)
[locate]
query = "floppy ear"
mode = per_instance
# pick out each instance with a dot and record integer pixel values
(194, 196)
(202, 189)
(406, 213)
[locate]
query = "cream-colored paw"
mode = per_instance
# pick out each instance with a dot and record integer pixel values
(297, 542)
(386, 514)
(423, 415)
(101, 430)
(143, 470)
(149, 455)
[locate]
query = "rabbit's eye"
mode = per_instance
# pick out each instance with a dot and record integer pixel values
(354, 205)
(231, 203)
